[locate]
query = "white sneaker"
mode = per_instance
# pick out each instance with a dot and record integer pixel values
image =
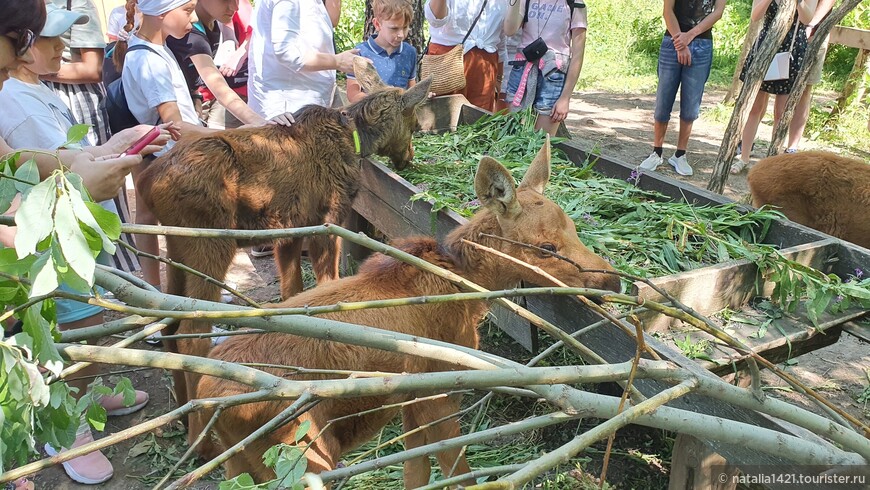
(652, 162)
(681, 165)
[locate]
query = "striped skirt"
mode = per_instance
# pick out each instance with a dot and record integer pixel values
(84, 102)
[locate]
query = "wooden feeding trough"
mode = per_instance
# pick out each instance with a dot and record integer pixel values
(384, 201)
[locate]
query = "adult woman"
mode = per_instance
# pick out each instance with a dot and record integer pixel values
(796, 41)
(33, 116)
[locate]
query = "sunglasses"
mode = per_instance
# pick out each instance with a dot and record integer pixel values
(23, 42)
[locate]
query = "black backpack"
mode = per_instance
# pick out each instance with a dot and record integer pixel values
(115, 103)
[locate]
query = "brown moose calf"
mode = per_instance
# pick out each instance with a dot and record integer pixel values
(818, 189)
(521, 214)
(273, 177)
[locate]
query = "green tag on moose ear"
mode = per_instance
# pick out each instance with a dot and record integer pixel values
(356, 145)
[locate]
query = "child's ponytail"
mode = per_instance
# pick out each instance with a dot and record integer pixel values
(121, 45)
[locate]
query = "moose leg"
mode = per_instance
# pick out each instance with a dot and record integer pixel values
(175, 286)
(211, 257)
(325, 256)
(452, 461)
(288, 258)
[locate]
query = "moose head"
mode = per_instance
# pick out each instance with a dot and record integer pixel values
(387, 117)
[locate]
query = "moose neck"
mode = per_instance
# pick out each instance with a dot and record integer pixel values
(481, 267)
(366, 133)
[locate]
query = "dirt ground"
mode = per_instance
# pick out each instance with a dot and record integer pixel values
(620, 126)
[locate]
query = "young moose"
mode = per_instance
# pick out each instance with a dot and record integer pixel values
(522, 214)
(818, 189)
(273, 177)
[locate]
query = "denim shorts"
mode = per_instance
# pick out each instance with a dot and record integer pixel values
(690, 80)
(548, 90)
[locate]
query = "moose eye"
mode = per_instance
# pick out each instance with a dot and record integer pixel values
(549, 247)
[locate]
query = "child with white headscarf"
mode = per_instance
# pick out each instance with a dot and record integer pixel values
(156, 90)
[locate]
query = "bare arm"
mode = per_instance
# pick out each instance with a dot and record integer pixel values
(169, 112)
(806, 10)
(759, 7)
(439, 8)
(88, 70)
(708, 22)
(578, 49)
(514, 17)
(333, 7)
(223, 93)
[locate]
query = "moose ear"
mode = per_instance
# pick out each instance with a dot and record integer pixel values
(495, 188)
(538, 174)
(417, 94)
(366, 74)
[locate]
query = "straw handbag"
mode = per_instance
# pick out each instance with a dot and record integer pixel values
(448, 69)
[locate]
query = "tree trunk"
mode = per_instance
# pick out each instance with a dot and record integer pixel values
(855, 80)
(781, 127)
(754, 76)
(748, 42)
(369, 28)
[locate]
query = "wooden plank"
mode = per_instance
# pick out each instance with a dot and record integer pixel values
(850, 36)
(730, 284)
(862, 331)
(692, 467)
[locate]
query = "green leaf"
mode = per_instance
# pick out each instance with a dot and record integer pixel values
(96, 416)
(71, 240)
(10, 263)
(43, 275)
(34, 217)
(7, 193)
(83, 213)
(44, 348)
(109, 222)
(125, 387)
(241, 482)
(29, 173)
(302, 430)
(75, 135)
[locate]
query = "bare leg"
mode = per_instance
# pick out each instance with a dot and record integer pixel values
(799, 121)
(660, 129)
(546, 123)
(685, 132)
(146, 243)
(751, 127)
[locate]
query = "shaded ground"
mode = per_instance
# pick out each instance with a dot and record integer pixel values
(620, 126)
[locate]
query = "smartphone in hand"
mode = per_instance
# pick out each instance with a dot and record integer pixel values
(142, 142)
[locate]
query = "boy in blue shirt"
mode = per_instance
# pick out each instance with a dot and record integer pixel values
(393, 58)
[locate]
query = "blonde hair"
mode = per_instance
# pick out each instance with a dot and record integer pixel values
(388, 9)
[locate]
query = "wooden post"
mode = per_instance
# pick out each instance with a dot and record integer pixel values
(692, 467)
(754, 76)
(855, 79)
(824, 27)
(748, 42)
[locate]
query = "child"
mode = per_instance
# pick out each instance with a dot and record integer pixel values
(157, 91)
(548, 81)
(35, 117)
(222, 107)
(394, 59)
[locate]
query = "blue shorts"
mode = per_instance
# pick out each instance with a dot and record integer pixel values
(689, 79)
(548, 90)
(69, 310)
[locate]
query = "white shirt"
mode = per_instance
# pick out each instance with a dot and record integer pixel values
(150, 80)
(33, 117)
(488, 33)
(284, 32)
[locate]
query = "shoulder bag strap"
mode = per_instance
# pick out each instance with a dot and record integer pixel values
(474, 23)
